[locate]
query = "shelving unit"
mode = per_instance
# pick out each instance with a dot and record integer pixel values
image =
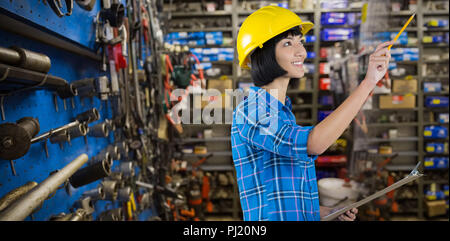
(418, 125)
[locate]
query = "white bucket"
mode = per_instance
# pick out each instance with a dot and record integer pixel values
(333, 190)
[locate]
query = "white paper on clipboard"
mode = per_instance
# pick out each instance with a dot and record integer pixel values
(411, 177)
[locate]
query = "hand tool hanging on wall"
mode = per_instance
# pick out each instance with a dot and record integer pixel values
(95, 194)
(15, 139)
(90, 174)
(110, 188)
(78, 215)
(87, 116)
(133, 38)
(22, 70)
(99, 130)
(32, 79)
(25, 205)
(25, 59)
(111, 215)
(16, 148)
(109, 17)
(56, 6)
(87, 5)
(90, 87)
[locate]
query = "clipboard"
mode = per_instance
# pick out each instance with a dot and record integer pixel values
(411, 177)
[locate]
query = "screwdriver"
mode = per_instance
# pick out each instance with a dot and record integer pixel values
(403, 28)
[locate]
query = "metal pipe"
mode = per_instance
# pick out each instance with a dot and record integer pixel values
(90, 174)
(123, 148)
(124, 194)
(96, 193)
(31, 78)
(110, 124)
(85, 87)
(100, 157)
(77, 131)
(16, 194)
(59, 137)
(32, 60)
(88, 116)
(113, 152)
(23, 207)
(78, 215)
(127, 168)
(25, 58)
(9, 56)
(110, 187)
(147, 185)
(99, 130)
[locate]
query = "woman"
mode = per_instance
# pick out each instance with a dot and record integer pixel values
(273, 156)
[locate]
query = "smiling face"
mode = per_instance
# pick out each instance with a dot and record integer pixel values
(290, 55)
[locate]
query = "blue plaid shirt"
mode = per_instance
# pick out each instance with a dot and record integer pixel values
(275, 175)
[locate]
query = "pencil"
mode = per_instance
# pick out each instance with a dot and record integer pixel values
(401, 31)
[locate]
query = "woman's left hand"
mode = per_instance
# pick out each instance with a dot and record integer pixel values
(350, 215)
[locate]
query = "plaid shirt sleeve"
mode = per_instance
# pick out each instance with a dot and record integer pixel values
(272, 133)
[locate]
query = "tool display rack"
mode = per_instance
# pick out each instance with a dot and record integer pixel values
(70, 44)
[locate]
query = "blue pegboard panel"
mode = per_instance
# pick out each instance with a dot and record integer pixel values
(35, 166)
(78, 27)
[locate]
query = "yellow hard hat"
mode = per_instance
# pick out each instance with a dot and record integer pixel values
(262, 25)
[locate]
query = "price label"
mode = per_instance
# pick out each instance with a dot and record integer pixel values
(428, 163)
(436, 101)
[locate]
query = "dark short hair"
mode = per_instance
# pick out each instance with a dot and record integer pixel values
(264, 66)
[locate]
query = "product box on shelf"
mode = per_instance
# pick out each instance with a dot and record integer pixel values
(334, 4)
(435, 131)
(388, 36)
(432, 87)
(310, 55)
(333, 19)
(324, 83)
(436, 208)
(436, 101)
(435, 162)
(430, 195)
(396, 101)
(310, 38)
(404, 86)
(443, 117)
(437, 23)
(332, 34)
(220, 84)
(436, 147)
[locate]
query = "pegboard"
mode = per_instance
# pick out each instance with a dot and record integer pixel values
(79, 26)
(35, 166)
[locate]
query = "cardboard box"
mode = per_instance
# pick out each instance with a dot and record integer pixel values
(220, 84)
(405, 86)
(436, 208)
(397, 101)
